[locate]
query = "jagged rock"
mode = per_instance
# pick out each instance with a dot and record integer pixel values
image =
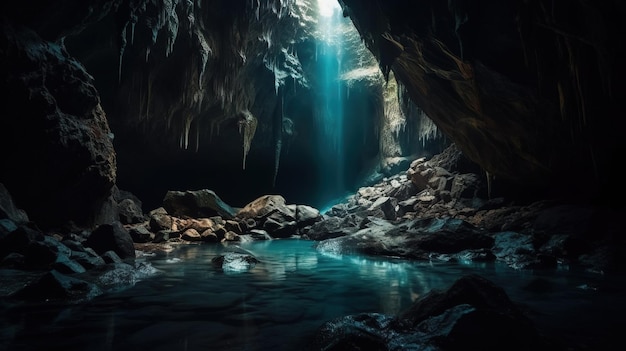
(164, 235)
(87, 259)
(141, 234)
(112, 237)
(65, 265)
(66, 165)
(160, 221)
(43, 253)
(258, 234)
(130, 212)
(419, 239)
(384, 207)
(473, 313)
(516, 249)
(233, 226)
(332, 227)
(491, 98)
(56, 286)
(307, 215)
(465, 186)
(265, 206)
(282, 229)
(272, 214)
(110, 257)
(196, 204)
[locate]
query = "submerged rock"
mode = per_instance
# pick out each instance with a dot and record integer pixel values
(235, 262)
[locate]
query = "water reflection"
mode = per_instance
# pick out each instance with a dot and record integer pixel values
(191, 305)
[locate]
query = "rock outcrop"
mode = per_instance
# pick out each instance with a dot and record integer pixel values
(529, 91)
(440, 210)
(57, 154)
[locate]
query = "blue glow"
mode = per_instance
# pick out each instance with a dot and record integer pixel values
(330, 99)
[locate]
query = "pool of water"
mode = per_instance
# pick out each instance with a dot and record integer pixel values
(277, 305)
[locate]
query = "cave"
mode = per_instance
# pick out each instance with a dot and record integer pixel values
(312, 174)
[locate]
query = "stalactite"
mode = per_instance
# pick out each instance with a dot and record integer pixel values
(188, 121)
(197, 135)
(122, 49)
(247, 124)
(489, 181)
(394, 120)
(278, 135)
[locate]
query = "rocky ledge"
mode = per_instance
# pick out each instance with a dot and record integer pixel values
(441, 209)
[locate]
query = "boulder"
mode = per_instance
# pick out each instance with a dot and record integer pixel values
(57, 286)
(234, 262)
(196, 204)
(112, 237)
(473, 314)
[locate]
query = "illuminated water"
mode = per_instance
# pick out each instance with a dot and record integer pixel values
(189, 305)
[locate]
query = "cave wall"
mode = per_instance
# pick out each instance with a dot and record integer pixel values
(530, 90)
(155, 95)
(57, 157)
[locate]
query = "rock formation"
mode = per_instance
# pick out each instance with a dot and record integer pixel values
(528, 90)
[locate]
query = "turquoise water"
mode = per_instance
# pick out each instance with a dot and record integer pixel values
(277, 305)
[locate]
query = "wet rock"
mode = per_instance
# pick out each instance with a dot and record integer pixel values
(112, 237)
(41, 254)
(332, 227)
(141, 234)
(234, 262)
(307, 215)
(473, 314)
(515, 249)
(231, 236)
(56, 286)
(191, 235)
(110, 257)
(87, 259)
(65, 265)
(420, 239)
(259, 234)
(209, 236)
